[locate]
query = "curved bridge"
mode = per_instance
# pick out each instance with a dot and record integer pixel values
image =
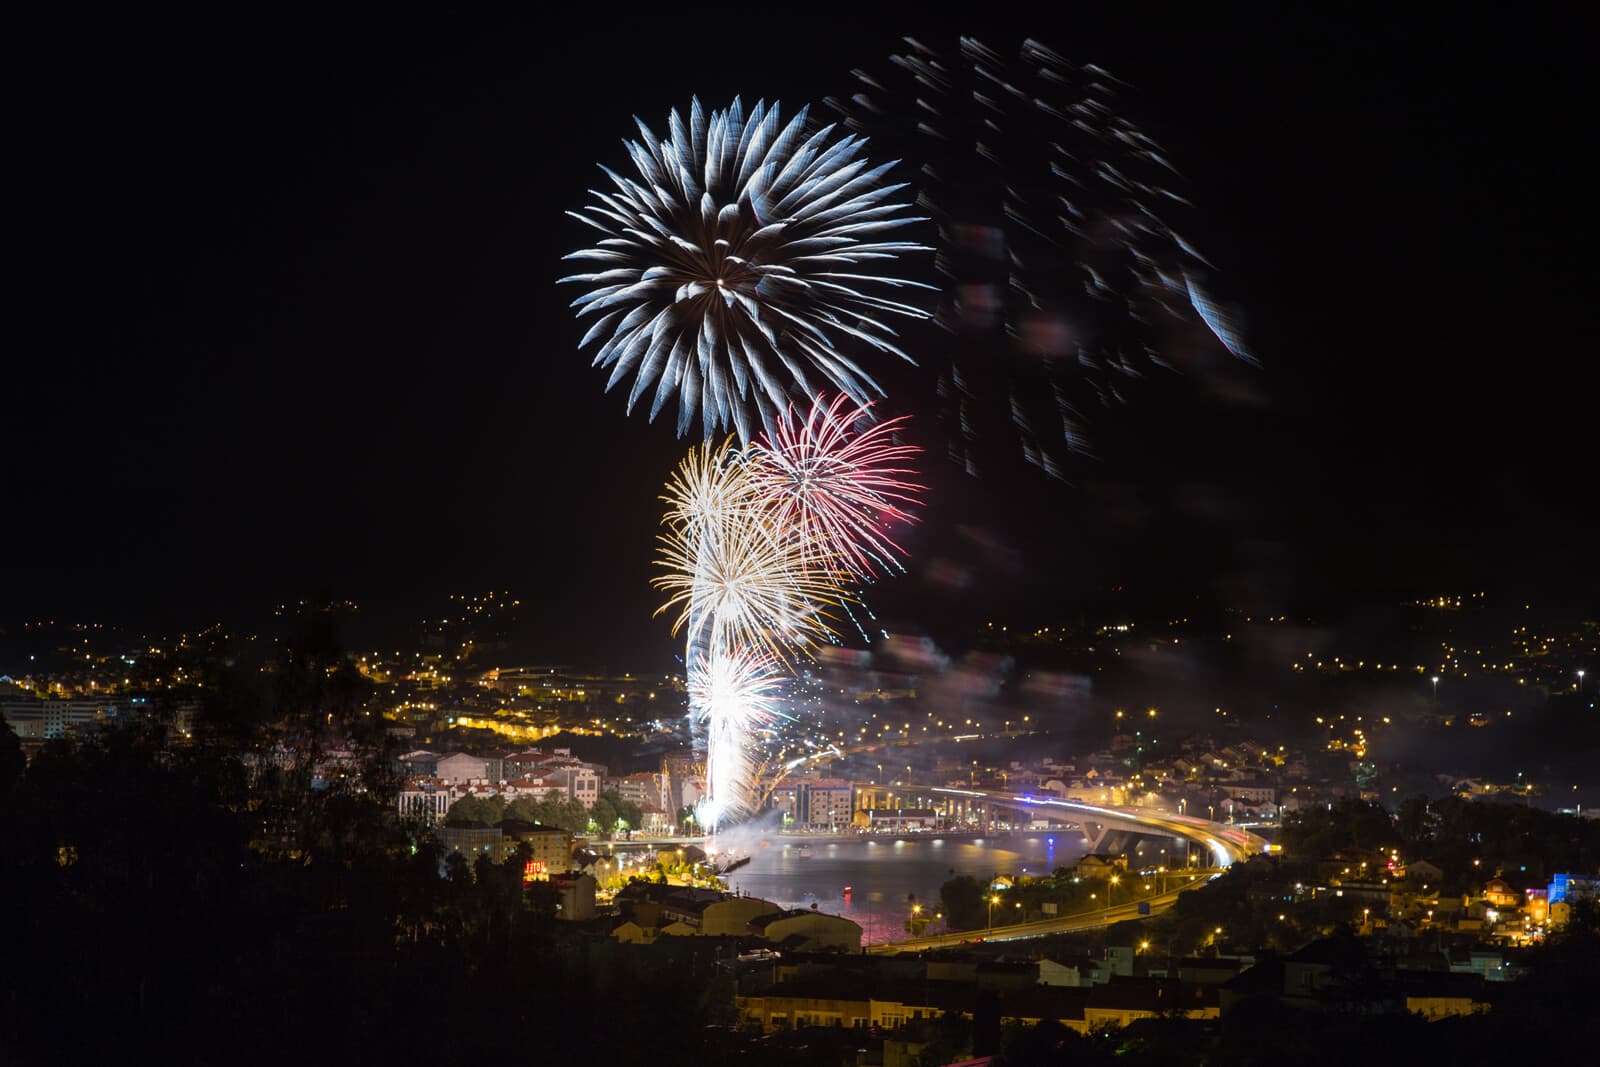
(1225, 845)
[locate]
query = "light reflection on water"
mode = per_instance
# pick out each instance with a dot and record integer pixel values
(882, 871)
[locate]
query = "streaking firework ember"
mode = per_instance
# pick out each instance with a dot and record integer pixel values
(1067, 283)
(736, 261)
(840, 482)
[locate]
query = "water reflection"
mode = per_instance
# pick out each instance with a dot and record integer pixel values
(872, 880)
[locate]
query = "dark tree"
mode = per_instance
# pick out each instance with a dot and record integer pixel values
(11, 758)
(963, 900)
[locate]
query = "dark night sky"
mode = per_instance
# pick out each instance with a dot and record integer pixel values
(280, 317)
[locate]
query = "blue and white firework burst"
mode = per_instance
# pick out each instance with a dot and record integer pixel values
(738, 262)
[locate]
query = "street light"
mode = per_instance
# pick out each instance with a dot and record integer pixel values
(994, 898)
(1580, 683)
(1436, 690)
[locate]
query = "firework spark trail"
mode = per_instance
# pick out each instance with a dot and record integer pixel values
(709, 487)
(735, 692)
(841, 486)
(732, 265)
(1052, 212)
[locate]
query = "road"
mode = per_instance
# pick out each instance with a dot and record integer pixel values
(1062, 924)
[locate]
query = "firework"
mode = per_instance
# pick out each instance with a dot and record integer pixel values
(732, 265)
(839, 482)
(734, 695)
(1052, 217)
(740, 579)
(710, 488)
(760, 545)
(735, 261)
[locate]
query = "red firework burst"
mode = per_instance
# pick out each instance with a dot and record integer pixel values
(839, 482)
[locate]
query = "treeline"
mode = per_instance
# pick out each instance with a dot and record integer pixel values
(610, 815)
(202, 900)
(1222, 913)
(967, 903)
(173, 905)
(1468, 839)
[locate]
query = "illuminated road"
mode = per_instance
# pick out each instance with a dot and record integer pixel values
(1062, 924)
(1226, 844)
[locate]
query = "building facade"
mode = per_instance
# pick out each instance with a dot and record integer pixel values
(824, 805)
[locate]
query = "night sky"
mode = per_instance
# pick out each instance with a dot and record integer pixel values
(281, 319)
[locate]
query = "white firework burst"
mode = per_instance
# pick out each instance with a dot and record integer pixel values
(709, 487)
(737, 261)
(744, 581)
(734, 692)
